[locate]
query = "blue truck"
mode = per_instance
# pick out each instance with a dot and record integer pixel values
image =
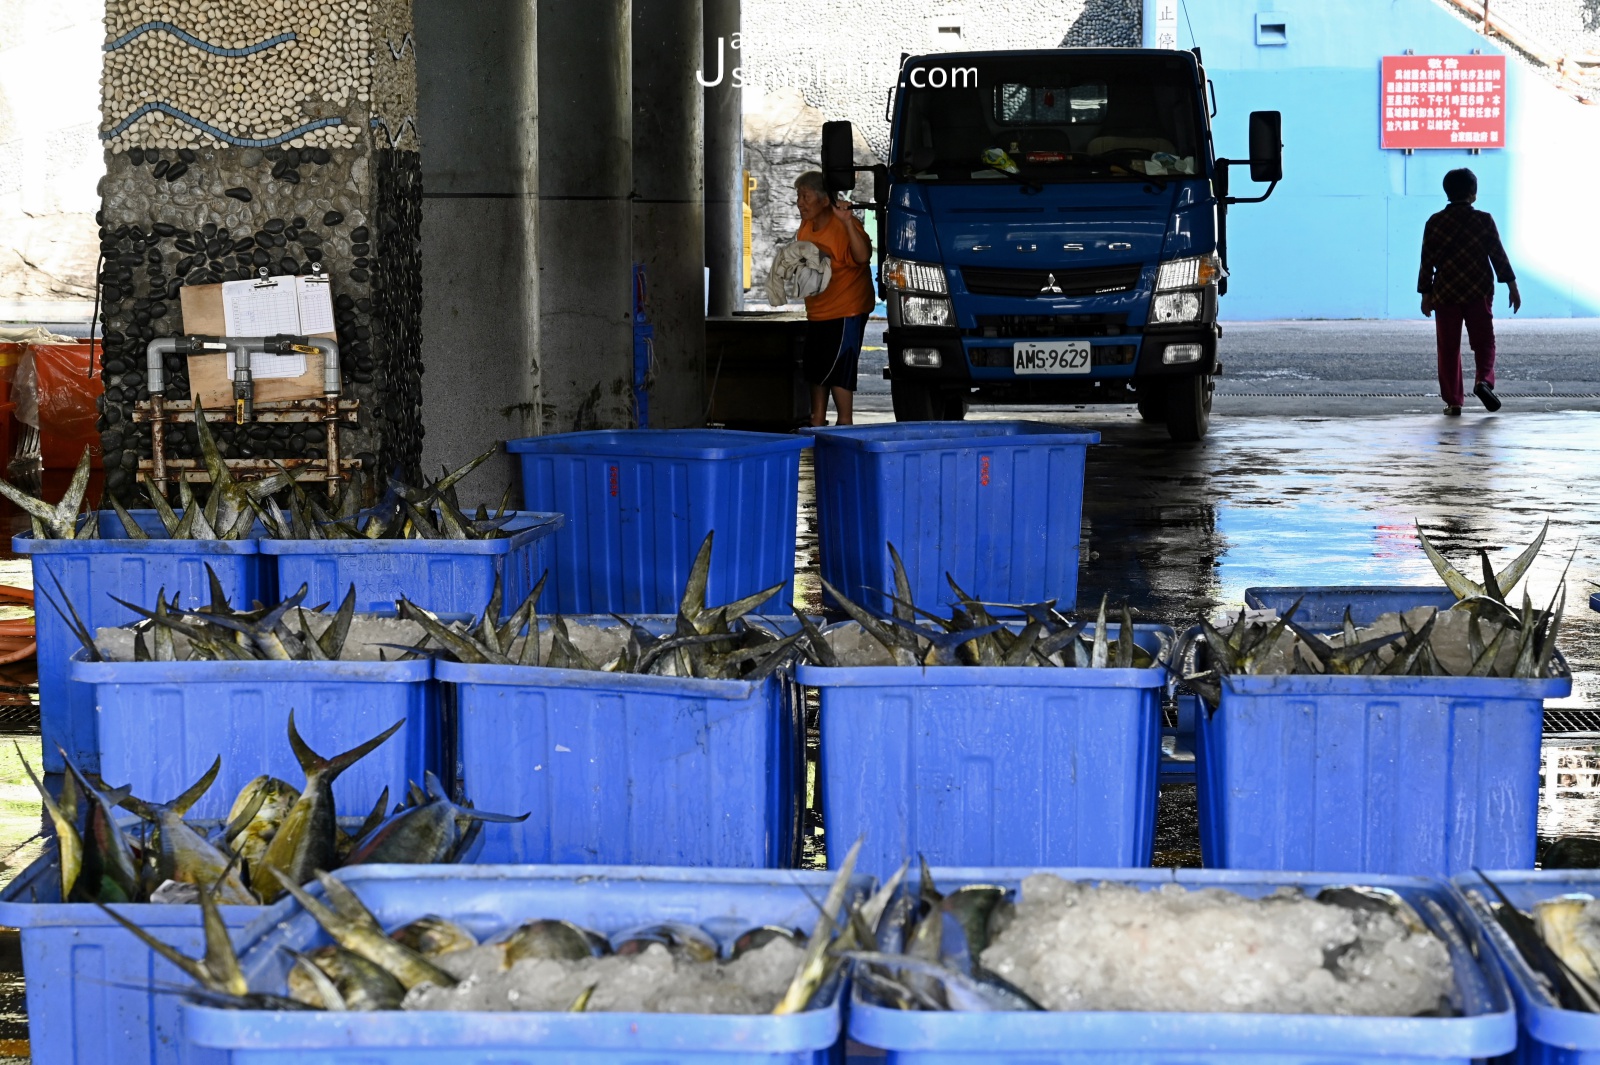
(1052, 229)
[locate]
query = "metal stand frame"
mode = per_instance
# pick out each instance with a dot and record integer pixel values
(158, 413)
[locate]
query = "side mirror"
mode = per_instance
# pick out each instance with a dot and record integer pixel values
(1266, 146)
(838, 156)
(880, 184)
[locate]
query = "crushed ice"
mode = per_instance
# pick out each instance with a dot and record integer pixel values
(655, 980)
(1076, 946)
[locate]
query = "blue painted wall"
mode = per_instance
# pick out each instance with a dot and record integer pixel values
(1340, 237)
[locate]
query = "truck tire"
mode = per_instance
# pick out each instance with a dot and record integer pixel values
(915, 402)
(1152, 402)
(1188, 408)
(955, 406)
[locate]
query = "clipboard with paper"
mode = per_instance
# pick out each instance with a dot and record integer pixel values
(299, 306)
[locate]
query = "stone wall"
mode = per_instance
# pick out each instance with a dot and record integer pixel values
(270, 135)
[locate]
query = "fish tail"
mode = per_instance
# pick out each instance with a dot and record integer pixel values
(340, 762)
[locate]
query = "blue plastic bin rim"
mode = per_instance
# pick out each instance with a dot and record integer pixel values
(1481, 1035)
(525, 527)
(660, 443)
(80, 668)
(810, 1030)
(25, 544)
(597, 681)
(17, 910)
(1155, 676)
(1540, 1014)
(1441, 687)
(921, 436)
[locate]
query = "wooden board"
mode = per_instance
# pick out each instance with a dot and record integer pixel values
(201, 306)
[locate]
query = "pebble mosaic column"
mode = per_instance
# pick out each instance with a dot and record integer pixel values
(242, 134)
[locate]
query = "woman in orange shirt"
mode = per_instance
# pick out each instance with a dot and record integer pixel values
(838, 314)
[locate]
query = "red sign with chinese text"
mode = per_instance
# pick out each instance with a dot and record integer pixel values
(1443, 101)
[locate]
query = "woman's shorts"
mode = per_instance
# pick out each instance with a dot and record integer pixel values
(833, 349)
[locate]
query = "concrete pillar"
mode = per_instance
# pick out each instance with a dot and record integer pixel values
(585, 220)
(477, 88)
(668, 211)
(724, 160)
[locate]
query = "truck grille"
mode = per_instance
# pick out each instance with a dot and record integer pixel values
(1080, 281)
(1050, 325)
(1101, 355)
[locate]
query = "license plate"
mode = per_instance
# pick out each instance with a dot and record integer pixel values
(1065, 356)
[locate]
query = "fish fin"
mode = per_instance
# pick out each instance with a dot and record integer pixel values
(332, 640)
(340, 762)
(66, 831)
(693, 603)
(902, 586)
(326, 990)
(1508, 577)
(1459, 585)
(246, 815)
(374, 818)
(194, 967)
(72, 502)
(129, 526)
(181, 804)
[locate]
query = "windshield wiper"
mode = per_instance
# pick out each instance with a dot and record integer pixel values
(1027, 183)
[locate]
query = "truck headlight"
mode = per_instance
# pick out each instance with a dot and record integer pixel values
(905, 275)
(929, 358)
(1171, 307)
(1179, 354)
(1194, 272)
(925, 310)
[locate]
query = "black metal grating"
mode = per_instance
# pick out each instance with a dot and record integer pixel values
(1572, 721)
(1079, 281)
(19, 720)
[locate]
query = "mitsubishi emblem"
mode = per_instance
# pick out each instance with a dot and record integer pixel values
(1050, 286)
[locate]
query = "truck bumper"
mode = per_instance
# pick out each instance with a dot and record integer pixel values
(1115, 383)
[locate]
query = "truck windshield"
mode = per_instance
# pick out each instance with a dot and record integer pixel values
(1066, 118)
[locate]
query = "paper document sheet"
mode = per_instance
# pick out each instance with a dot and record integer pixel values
(299, 306)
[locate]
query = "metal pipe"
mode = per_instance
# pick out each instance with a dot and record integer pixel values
(155, 364)
(331, 384)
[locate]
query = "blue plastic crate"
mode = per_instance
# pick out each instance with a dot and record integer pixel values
(638, 503)
(1487, 1026)
(489, 899)
(1425, 776)
(444, 576)
(1546, 1033)
(1594, 601)
(91, 572)
(161, 724)
(991, 766)
(96, 994)
(997, 505)
(619, 768)
(1323, 607)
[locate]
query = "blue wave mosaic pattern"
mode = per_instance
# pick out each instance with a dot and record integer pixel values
(237, 142)
(190, 39)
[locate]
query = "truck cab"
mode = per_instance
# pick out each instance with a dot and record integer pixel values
(1051, 230)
